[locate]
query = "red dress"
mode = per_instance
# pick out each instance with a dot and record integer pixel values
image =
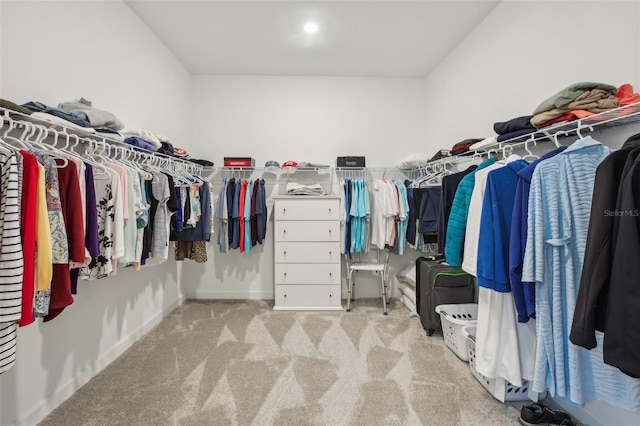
(28, 233)
(71, 200)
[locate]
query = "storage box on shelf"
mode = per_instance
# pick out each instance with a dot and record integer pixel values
(453, 317)
(501, 389)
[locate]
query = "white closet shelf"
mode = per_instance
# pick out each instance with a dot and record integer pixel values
(9, 115)
(614, 117)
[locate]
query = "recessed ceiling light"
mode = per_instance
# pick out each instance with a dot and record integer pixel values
(311, 27)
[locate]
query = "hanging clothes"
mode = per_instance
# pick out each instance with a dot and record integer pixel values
(191, 242)
(472, 231)
(621, 339)
(231, 190)
(235, 242)
(130, 231)
(559, 209)
(254, 217)
(523, 293)
(504, 348)
(160, 241)
(11, 260)
(457, 225)
(429, 216)
(54, 209)
(44, 249)
(222, 215)
(142, 222)
(591, 305)
(91, 238)
(71, 204)
(403, 216)
(449, 187)
(247, 217)
(261, 212)
(120, 213)
(110, 222)
(28, 217)
(381, 209)
(242, 199)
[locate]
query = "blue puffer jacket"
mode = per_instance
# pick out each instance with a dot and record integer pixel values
(458, 217)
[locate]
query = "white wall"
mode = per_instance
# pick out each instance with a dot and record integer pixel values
(524, 52)
(521, 54)
(313, 119)
(102, 51)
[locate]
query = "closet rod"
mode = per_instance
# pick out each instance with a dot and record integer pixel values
(17, 118)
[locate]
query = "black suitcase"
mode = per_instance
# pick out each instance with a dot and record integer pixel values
(437, 284)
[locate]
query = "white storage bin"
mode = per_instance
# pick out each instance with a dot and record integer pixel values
(453, 318)
(501, 389)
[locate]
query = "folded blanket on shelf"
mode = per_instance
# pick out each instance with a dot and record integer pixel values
(626, 95)
(143, 134)
(75, 117)
(507, 136)
(512, 125)
(569, 116)
(4, 103)
(294, 188)
(97, 117)
(593, 102)
(485, 143)
(140, 143)
(61, 121)
(569, 94)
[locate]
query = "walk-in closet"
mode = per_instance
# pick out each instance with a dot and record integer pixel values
(319, 212)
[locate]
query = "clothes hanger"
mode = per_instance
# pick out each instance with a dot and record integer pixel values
(555, 137)
(5, 147)
(21, 141)
(529, 153)
(580, 127)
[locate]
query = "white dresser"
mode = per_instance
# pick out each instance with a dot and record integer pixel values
(307, 252)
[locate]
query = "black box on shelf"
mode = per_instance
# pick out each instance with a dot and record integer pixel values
(351, 161)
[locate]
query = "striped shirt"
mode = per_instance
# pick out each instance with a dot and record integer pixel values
(11, 260)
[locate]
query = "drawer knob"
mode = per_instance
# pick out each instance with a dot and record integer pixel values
(285, 296)
(331, 295)
(284, 211)
(285, 274)
(330, 274)
(329, 210)
(329, 253)
(285, 253)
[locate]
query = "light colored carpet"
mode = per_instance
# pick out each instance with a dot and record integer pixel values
(240, 363)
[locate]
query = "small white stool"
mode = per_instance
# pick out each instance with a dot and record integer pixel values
(382, 268)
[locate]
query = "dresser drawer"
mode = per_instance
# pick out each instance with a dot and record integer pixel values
(306, 231)
(307, 209)
(307, 295)
(295, 273)
(303, 252)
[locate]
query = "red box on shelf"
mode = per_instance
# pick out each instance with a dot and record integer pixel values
(239, 162)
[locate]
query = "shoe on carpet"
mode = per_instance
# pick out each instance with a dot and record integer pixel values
(539, 414)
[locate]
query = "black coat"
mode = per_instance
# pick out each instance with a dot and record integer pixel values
(592, 300)
(622, 334)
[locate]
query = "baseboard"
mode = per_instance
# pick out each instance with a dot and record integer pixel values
(598, 413)
(231, 294)
(74, 384)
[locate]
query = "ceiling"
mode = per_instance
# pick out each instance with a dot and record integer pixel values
(355, 38)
